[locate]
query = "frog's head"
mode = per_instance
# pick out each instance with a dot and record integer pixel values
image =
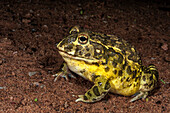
(81, 45)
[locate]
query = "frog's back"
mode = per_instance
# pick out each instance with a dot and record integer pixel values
(123, 62)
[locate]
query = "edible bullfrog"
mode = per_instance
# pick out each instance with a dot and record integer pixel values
(112, 64)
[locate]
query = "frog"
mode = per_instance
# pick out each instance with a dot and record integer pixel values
(110, 62)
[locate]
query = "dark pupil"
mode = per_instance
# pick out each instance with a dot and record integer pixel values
(83, 38)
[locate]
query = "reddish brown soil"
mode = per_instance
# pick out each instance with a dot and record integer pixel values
(29, 31)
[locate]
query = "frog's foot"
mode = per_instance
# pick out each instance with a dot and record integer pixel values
(91, 96)
(97, 92)
(140, 95)
(64, 72)
(148, 82)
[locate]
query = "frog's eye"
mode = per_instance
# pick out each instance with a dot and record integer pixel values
(83, 39)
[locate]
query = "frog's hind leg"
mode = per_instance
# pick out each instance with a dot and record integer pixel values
(97, 92)
(149, 80)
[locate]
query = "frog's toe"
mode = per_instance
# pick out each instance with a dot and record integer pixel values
(60, 74)
(64, 72)
(81, 98)
(140, 95)
(84, 98)
(64, 75)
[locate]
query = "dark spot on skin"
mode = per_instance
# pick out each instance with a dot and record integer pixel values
(103, 63)
(78, 50)
(144, 78)
(136, 79)
(89, 93)
(123, 67)
(95, 63)
(107, 85)
(106, 58)
(151, 77)
(82, 71)
(99, 83)
(115, 72)
(111, 52)
(150, 84)
(78, 47)
(128, 79)
(114, 64)
(140, 62)
(98, 36)
(85, 97)
(107, 69)
(134, 85)
(65, 41)
(120, 59)
(140, 73)
(80, 53)
(68, 48)
(87, 55)
(121, 79)
(146, 84)
(155, 73)
(94, 77)
(123, 51)
(130, 57)
(93, 34)
(87, 48)
(120, 73)
(129, 85)
(133, 56)
(134, 74)
(128, 70)
(94, 99)
(104, 93)
(96, 91)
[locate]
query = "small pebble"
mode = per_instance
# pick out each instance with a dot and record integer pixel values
(45, 27)
(105, 22)
(167, 59)
(165, 46)
(31, 11)
(15, 52)
(13, 74)
(33, 30)
(36, 84)
(1, 62)
(31, 73)
(2, 87)
(73, 95)
(26, 21)
(28, 15)
(66, 104)
(153, 58)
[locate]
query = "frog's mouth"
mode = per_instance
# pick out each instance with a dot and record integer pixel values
(66, 55)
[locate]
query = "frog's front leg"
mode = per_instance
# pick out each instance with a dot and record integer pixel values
(97, 92)
(64, 72)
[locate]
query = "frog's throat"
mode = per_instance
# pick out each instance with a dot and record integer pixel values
(66, 55)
